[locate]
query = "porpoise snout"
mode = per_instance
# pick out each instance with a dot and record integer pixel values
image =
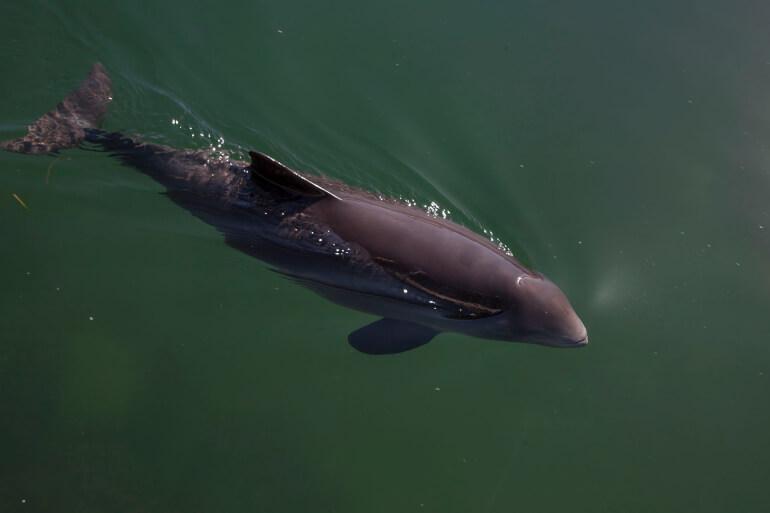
(546, 314)
(575, 335)
(581, 337)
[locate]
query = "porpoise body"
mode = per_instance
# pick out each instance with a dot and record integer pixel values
(421, 274)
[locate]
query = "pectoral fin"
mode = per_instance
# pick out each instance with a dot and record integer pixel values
(389, 336)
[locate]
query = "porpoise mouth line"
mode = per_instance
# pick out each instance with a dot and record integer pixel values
(570, 344)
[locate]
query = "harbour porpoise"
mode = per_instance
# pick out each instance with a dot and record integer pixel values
(421, 274)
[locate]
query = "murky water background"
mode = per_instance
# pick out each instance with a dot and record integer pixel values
(620, 148)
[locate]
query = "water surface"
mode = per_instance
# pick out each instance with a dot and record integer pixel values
(619, 148)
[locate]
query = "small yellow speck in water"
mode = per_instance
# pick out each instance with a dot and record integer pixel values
(21, 201)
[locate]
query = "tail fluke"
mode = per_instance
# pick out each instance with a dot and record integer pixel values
(66, 125)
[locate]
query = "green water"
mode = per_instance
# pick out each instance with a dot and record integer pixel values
(620, 148)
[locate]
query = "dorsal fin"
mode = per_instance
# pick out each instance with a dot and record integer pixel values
(268, 168)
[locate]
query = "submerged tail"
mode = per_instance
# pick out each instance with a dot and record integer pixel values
(66, 125)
